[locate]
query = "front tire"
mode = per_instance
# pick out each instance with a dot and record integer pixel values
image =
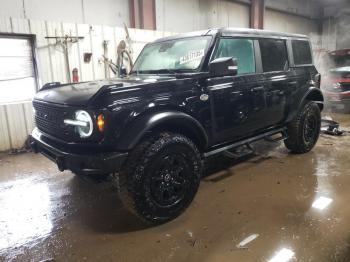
(304, 130)
(161, 177)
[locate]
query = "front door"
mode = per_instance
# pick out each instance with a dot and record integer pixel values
(237, 102)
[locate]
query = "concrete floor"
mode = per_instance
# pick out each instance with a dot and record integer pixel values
(46, 215)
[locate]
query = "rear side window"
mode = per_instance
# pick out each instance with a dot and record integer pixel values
(273, 55)
(301, 52)
(242, 50)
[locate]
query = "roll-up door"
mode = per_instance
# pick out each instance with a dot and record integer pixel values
(17, 74)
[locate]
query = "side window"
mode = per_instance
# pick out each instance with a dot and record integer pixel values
(301, 52)
(273, 55)
(242, 50)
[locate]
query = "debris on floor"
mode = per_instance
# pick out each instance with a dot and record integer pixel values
(331, 127)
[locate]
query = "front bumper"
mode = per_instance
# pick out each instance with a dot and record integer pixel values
(81, 163)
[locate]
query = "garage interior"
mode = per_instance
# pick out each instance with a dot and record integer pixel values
(264, 205)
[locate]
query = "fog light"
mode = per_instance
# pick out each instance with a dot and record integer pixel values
(101, 123)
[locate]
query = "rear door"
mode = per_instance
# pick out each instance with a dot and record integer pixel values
(237, 101)
(275, 65)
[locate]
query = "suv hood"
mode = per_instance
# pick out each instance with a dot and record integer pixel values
(82, 94)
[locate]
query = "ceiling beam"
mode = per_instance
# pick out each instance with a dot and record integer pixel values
(257, 10)
(143, 14)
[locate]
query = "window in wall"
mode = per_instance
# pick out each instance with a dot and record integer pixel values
(301, 52)
(242, 50)
(273, 55)
(17, 77)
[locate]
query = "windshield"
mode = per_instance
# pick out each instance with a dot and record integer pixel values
(184, 54)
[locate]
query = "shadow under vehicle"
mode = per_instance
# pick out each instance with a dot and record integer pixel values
(187, 97)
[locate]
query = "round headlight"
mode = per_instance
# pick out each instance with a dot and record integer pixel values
(83, 116)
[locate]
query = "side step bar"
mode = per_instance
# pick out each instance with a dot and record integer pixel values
(266, 135)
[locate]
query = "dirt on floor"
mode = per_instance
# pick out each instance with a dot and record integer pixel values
(263, 206)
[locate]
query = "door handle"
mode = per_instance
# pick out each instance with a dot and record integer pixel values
(257, 88)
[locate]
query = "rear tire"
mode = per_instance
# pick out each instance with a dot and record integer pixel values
(160, 177)
(304, 130)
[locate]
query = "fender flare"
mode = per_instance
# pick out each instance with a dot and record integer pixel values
(315, 94)
(139, 127)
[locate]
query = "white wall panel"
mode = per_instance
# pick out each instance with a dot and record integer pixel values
(20, 26)
(56, 52)
(17, 124)
(5, 141)
(38, 28)
(5, 25)
(86, 69)
(73, 51)
(96, 35)
(109, 37)
(11, 8)
(28, 116)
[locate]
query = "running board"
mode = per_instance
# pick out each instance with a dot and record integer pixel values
(234, 155)
(282, 137)
(246, 141)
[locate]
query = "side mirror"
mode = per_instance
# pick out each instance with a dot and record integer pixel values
(223, 66)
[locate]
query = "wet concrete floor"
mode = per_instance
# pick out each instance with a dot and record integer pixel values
(280, 207)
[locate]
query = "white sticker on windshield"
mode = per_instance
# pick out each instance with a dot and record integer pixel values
(191, 56)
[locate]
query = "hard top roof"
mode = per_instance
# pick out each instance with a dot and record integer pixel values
(235, 32)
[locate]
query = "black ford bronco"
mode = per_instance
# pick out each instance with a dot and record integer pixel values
(186, 98)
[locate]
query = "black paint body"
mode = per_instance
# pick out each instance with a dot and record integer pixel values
(212, 111)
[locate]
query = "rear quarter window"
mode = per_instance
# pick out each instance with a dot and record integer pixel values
(301, 52)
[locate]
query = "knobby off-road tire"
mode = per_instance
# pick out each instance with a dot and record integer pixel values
(160, 177)
(304, 130)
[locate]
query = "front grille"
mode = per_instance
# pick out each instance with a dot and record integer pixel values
(49, 118)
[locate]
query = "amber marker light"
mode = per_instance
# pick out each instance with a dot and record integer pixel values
(101, 122)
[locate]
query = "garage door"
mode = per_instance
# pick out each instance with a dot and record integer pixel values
(17, 74)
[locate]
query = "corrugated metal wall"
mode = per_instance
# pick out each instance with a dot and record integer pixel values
(16, 120)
